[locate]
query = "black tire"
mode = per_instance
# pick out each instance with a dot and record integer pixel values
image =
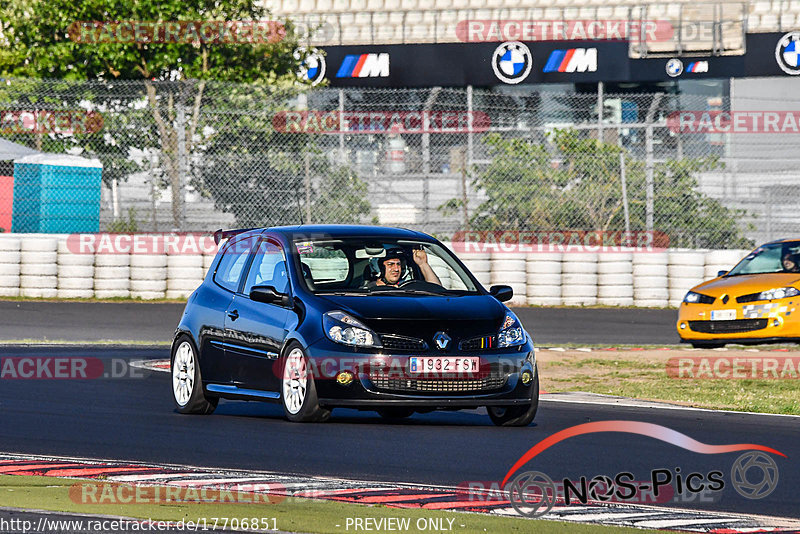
(395, 412)
(187, 384)
(300, 402)
(517, 415)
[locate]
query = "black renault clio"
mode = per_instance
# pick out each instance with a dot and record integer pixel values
(319, 317)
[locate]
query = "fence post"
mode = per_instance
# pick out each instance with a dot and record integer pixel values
(341, 127)
(600, 111)
(153, 189)
(624, 192)
(470, 123)
(181, 165)
(649, 164)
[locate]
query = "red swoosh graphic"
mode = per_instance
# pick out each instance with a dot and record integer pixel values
(633, 427)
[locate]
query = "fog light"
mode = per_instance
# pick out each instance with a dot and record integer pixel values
(683, 326)
(776, 322)
(526, 377)
(344, 378)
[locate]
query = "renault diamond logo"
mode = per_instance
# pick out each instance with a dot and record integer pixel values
(442, 340)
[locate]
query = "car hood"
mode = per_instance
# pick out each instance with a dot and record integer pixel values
(472, 307)
(747, 283)
(422, 317)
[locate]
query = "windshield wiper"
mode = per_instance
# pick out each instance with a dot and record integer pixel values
(397, 290)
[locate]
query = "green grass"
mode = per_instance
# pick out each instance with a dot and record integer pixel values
(292, 515)
(648, 380)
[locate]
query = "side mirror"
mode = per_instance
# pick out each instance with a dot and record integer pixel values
(501, 293)
(722, 273)
(269, 295)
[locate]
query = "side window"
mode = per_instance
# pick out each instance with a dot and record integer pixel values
(446, 274)
(231, 266)
(268, 269)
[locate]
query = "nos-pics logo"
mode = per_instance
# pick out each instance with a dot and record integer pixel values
(512, 62)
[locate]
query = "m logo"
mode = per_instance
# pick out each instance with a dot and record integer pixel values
(364, 66)
(442, 340)
(572, 60)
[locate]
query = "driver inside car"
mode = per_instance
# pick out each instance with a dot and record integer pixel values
(393, 265)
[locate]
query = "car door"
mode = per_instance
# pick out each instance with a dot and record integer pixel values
(255, 331)
(214, 304)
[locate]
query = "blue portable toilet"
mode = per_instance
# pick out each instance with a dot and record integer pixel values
(56, 193)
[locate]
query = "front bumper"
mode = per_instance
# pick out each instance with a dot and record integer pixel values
(382, 378)
(758, 322)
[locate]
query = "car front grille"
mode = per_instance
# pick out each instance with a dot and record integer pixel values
(728, 327)
(437, 385)
(479, 343)
(395, 342)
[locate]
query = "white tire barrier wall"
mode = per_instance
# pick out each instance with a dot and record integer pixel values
(544, 278)
(579, 279)
(479, 264)
(9, 266)
(38, 267)
(615, 278)
(721, 260)
(650, 280)
(75, 273)
(184, 273)
(686, 269)
(510, 269)
(112, 275)
(148, 276)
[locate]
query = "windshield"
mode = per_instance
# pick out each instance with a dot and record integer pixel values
(770, 258)
(381, 266)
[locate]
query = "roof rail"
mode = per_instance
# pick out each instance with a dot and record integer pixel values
(221, 234)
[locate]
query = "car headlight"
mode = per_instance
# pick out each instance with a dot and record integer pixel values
(511, 333)
(778, 293)
(346, 329)
(693, 298)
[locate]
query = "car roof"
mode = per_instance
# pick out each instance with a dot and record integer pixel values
(348, 230)
(782, 240)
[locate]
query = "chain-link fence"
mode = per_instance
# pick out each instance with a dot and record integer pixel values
(202, 155)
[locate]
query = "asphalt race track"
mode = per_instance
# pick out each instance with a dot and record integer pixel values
(133, 419)
(90, 321)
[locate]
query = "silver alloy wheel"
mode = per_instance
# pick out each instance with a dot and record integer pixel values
(183, 374)
(295, 381)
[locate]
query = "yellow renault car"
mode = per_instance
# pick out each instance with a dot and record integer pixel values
(758, 301)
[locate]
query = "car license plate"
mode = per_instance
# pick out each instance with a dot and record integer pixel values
(723, 315)
(443, 364)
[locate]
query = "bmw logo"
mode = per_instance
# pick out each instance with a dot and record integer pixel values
(674, 67)
(787, 53)
(312, 67)
(512, 62)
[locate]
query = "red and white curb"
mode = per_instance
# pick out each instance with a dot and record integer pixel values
(393, 495)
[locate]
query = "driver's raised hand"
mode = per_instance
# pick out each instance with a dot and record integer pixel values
(420, 257)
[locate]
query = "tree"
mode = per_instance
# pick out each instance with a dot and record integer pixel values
(47, 39)
(574, 183)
